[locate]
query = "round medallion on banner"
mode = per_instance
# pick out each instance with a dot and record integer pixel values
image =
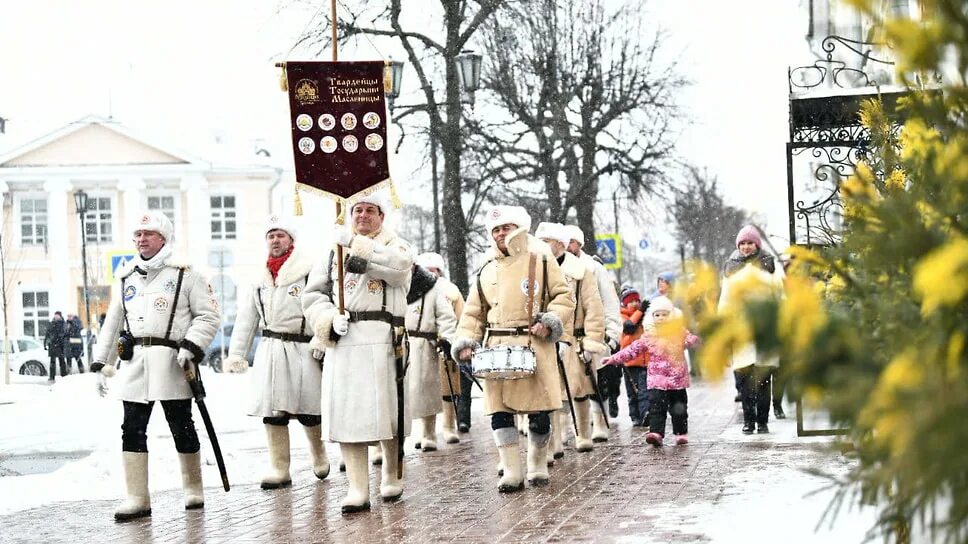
(373, 142)
(327, 121)
(307, 145)
(304, 122)
(328, 144)
(348, 120)
(371, 120)
(350, 143)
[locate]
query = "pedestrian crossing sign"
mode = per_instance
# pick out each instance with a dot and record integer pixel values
(609, 249)
(113, 260)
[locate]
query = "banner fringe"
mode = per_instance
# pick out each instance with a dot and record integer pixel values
(296, 201)
(283, 79)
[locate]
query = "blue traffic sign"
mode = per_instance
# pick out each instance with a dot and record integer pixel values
(609, 249)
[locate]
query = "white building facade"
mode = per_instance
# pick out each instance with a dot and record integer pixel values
(220, 207)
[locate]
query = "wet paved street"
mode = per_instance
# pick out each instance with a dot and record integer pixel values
(614, 493)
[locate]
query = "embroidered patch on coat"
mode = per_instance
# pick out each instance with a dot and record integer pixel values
(524, 286)
(129, 292)
(374, 286)
(417, 310)
(294, 290)
(161, 304)
(351, 285)
(170, 286)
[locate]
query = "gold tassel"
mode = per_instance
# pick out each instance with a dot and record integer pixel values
(387, 78)
(394, 197)
(296, 201)
(283, 79)
(340, 212)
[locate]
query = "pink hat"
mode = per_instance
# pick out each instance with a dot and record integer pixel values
(749, 233)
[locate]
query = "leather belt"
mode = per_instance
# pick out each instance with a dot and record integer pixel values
(379, 315)
(149, 341)
(508, 331)
(287, 336)
(425, 335)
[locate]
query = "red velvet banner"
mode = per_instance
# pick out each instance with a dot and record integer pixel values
(339, 125)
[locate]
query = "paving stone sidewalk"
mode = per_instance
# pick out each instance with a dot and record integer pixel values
(451, 494)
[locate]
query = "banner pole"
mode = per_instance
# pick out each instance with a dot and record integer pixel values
(339, 205)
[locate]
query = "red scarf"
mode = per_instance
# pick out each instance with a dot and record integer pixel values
(275, 263)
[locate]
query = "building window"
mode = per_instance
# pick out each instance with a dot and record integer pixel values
(164, 204)
(33, 221)
(223, 217)
(36, 313)
(98, 220)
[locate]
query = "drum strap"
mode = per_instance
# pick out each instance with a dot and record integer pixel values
(532, 261)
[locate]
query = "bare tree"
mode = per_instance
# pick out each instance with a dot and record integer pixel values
(705, 224)
(430, 58)
(585, 97)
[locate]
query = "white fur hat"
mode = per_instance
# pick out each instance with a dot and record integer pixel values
(380, 199)
(430, 260)
(576, 234)
(661, 303)
(503, 215)
(280, 222)
(155, 221)
(555, 231)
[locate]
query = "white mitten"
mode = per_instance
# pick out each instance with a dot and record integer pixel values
(341, 324)
(343, 237)
(235, 365)
(184, 357)
(102, 384)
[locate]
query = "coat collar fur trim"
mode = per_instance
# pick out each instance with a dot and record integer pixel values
(420, 284)
(296, 267)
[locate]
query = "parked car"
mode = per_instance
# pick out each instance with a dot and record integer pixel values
(27, 356)
(213, 355)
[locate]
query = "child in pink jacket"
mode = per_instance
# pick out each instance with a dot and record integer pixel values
(668, 373)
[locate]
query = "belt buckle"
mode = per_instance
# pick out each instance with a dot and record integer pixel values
(147, 342)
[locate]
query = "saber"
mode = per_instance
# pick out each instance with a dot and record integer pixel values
(564, 378)
(598, 395)
(450, 386)
(198, 391)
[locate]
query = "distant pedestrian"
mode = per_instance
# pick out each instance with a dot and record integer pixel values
(54, 344)
(74, 347)
(752, 370)
(664, 341)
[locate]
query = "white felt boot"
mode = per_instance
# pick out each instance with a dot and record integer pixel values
(138, 503)
(191, 469)
(376, 455)
(279, 457)
(583, 442)
(507, 446)
(538, 458)
(318, 451)
(599, 430)
(556, 445)
(391, 487)
(358, 474)
(450, 424)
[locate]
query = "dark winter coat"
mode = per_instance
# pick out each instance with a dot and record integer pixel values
(736, 261)
(75, 346)
(54, 338)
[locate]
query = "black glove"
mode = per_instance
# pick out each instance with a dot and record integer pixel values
(629, 327)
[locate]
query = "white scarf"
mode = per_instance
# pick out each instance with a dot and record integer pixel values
(157, 261)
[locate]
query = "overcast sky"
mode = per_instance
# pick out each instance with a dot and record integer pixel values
(186, 70)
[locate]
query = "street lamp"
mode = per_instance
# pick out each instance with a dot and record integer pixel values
(80, 204)
(469, 71)
(396, 78)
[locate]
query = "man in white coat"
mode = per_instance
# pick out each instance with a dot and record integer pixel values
(430, 321)
(613, 317)
(359, 393)
(166, 314)
(450, 375)
(286, 379)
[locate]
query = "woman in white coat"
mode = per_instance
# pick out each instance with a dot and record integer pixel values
(430, 320)
(286, 378)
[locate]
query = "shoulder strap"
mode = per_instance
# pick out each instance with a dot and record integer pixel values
(124, 308)
(532, 261)
(423, 302)
(480, 289)
(302, 325)
(174, 302)
(546, 297)
(258, 294)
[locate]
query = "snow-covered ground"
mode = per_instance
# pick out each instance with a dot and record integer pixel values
(69, 416)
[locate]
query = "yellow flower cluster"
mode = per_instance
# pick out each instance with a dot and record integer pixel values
(941, 277)
(801, 314)
(885, 412)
